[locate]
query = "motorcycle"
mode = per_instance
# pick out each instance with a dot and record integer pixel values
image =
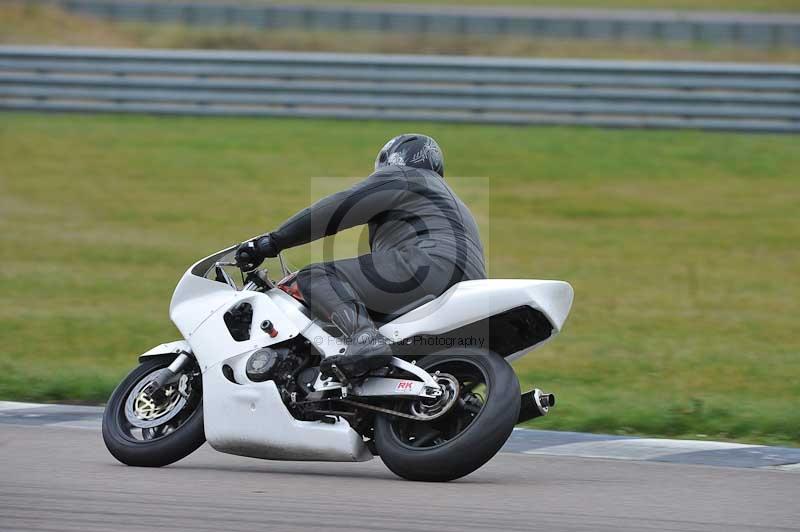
(246, 376)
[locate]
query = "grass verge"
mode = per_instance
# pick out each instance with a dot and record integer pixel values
(38, 24)
(681, 246)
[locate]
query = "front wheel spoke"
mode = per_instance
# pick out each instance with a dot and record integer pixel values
(155, 432)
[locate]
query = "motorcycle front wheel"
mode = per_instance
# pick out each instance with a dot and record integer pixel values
(469, 434)
(140, 430)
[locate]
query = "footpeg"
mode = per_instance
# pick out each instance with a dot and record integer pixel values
(535, 403)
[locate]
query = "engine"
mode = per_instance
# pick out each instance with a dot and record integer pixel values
(288, 365)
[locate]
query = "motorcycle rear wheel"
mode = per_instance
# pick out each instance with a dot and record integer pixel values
(174, 429)
(469, 434)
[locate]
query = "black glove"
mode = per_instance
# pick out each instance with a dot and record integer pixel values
(251, 254)
(266, 246)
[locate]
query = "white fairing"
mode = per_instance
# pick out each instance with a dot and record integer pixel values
(170, 348)
(250, 418)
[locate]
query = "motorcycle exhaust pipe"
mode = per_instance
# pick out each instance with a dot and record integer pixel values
(535, 403)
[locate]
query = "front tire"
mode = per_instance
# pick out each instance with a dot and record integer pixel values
(465, 438)
(179, 434)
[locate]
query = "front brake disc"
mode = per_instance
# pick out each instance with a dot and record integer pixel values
(143, 411)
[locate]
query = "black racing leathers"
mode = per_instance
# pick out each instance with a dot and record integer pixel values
(423, 240)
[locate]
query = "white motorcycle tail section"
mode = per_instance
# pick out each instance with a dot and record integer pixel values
(471, 301)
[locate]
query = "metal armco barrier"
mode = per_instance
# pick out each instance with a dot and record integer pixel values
(714, 96)
(743, 29)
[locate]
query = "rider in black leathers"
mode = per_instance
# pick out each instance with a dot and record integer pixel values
(423, 240)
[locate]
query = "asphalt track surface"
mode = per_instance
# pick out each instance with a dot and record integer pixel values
(61, 478)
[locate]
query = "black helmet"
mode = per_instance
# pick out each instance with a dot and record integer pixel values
(419, 151)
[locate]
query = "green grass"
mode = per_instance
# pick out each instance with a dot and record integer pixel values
(39, 24)
(682, 248)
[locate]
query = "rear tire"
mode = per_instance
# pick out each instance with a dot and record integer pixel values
(456, 454)
(169, 447)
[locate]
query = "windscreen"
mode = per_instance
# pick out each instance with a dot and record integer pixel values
(226, 255)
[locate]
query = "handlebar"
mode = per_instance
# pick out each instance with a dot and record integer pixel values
(254, 278)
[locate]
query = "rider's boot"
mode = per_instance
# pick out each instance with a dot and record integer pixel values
(366, 347)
